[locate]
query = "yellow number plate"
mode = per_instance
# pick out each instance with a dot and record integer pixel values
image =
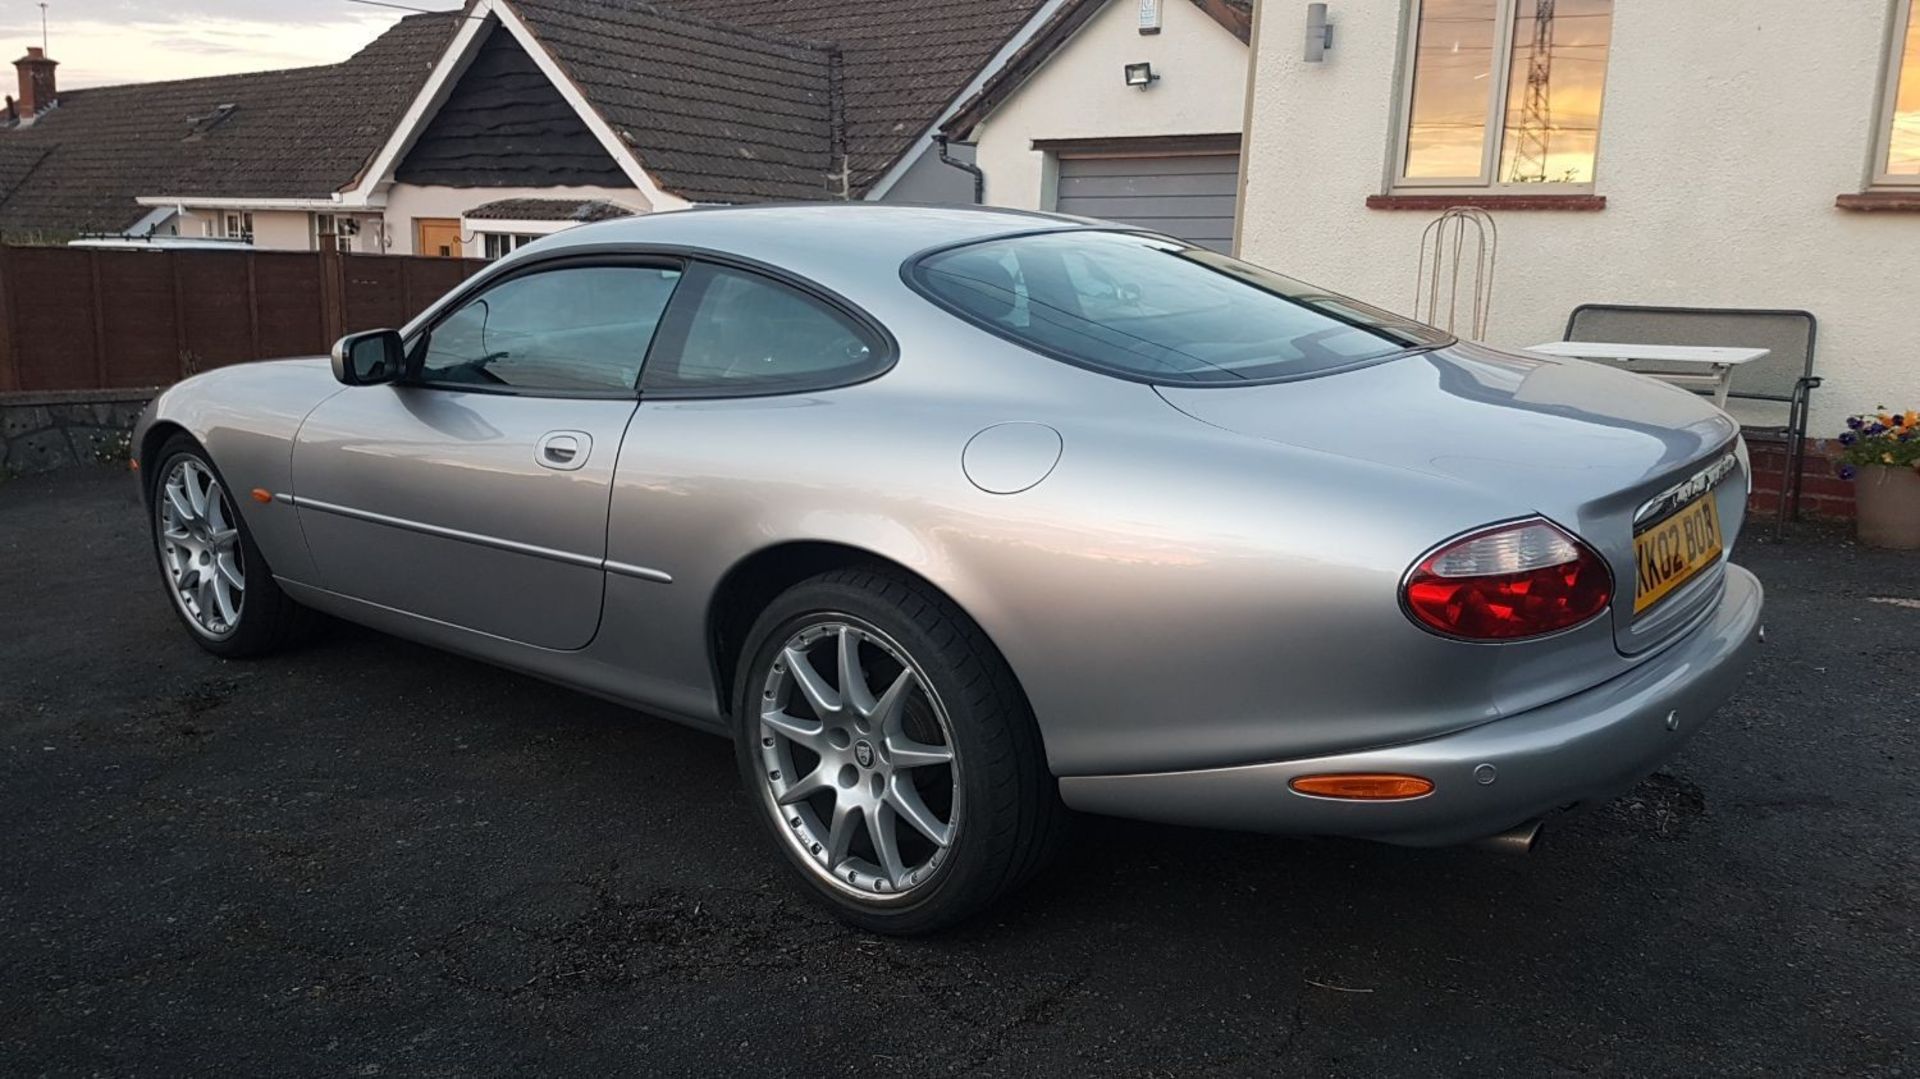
(1671, 552)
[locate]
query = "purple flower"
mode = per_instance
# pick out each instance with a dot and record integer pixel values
(1853, 422)
(1847, 472)
(1876, 428)
(1848, 438)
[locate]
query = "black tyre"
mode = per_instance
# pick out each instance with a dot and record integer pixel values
(917, 797)
(216, 580)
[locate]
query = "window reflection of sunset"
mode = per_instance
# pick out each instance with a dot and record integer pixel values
(1453, 59)
(1453, 66)
(1903, 148)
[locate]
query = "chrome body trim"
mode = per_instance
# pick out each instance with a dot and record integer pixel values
(641, 573)
(1669, 501)
(422, 527)
(568, 557)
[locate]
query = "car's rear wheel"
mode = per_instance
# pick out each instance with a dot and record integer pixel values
(891, 752)
(219, 584)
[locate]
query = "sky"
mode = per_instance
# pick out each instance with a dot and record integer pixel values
(103, 42)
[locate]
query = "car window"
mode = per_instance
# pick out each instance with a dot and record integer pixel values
(1158, 310)
(579, 329)
(744, 333)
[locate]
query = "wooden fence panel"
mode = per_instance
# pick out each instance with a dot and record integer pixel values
(219, 317)
(51, 294)
(287, 303)
(423, 281)
(137, 319)
(78, 318)
(9, 371)
(385, 291)
(371, 292)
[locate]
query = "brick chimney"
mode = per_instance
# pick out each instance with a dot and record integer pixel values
(37, 90)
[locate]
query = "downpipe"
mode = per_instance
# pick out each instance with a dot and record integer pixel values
(979, 176)
(1519, 839)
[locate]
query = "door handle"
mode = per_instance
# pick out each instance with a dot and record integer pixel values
(563, 450)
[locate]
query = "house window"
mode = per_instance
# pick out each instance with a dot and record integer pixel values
(238, 226)
(1897, 151)
(500, 244)
(1503, 94)
(332, 232)
(337, 232)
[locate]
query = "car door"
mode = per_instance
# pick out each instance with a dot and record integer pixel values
(475, 491)
(739, 402)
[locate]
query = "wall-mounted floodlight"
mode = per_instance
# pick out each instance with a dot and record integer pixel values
(1141, 75)
(1319, 33)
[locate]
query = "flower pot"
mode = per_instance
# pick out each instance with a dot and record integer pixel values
(1887, 501)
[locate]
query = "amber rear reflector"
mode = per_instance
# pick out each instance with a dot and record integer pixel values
(262, 495)
(1363, 785)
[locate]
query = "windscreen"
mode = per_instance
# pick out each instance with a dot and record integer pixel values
(1157, 310)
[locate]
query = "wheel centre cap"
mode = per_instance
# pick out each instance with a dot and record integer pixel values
(863, 753)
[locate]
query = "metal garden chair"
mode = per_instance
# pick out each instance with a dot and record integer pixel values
(1783, 379)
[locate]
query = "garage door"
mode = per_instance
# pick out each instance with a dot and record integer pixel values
(1189, 196)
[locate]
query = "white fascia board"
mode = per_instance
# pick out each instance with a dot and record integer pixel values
(992, 67)
(478, 18)
(332, 204)
(447, 70)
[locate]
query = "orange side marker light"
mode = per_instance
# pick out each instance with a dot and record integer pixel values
(1363, 786)
(262, 495)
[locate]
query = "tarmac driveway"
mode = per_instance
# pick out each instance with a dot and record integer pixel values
(370, 858)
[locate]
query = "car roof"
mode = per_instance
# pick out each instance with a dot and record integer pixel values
(863, 231)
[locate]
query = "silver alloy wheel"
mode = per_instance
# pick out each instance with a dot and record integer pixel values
(858, 766)
(199, 539)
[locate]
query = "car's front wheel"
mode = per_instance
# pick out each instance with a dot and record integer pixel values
(891, 752)
(220, 586)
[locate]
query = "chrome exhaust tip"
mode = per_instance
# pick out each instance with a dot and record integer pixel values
(1519, 839)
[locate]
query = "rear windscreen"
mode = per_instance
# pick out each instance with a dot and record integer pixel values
(1158, 310)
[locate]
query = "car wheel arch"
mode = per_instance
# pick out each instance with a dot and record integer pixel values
(751, 583)
(156, 436)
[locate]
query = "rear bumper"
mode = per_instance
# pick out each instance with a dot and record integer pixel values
(1487, 778)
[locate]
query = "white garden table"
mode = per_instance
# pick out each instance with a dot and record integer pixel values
(1716, 365)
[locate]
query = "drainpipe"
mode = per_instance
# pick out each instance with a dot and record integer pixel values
(979, 178)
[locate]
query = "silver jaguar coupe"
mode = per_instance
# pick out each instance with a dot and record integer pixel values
(953, 519)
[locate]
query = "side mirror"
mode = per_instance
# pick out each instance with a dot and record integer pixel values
(369, 359)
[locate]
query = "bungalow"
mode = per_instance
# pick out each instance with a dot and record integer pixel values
(467, 133)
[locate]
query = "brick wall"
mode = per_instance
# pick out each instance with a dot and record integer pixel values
(1823, 494)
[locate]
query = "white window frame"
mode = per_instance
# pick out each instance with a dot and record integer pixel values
(1878, 177)
(1500, 79)
(498, 245)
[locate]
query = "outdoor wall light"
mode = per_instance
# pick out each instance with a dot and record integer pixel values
(1319, 33)
(1141, 75)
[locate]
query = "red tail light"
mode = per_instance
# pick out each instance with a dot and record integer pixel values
(1508, 582)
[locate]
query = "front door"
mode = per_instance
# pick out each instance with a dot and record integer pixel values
(437, 237)
(475, 492)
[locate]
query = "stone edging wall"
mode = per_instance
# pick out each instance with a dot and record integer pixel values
(40, 432)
